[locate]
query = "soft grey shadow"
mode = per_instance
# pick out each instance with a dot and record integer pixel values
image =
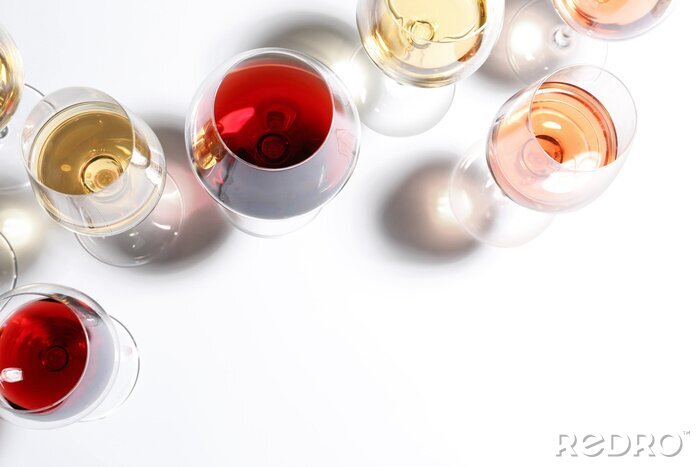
(416, 216)
(204, 227)
(325, 38)
(497, 67)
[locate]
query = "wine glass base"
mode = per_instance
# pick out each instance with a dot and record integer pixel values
(270, 228)
(126, 377)
(487, 213)
(143, 243)
(391, 108)
(8, 266)
(539, 42)
(13, 174)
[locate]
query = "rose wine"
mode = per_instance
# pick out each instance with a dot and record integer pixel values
(573, 127)
(43, 355)
(612, 18)
(10, 87)
(83, 149)
(546, 147)
(426, 35)
(271, 115)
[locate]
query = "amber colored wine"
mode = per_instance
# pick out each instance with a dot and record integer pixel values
(43, 354)
(614, 17)
(273, 115)
(573, 127)
(10, 88)
(83, 149)
(428, 34)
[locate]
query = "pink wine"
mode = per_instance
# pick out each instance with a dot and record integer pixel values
(43, 354)
(273, 115)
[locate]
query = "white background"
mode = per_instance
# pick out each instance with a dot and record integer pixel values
(378, 335)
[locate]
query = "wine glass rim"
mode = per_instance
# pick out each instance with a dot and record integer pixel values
(27, 149)
(319, 69)
(8, 46)
(490, 18)
(327, 74)
(54, 292)
(580, 29)
(13, 260)
(622, 153)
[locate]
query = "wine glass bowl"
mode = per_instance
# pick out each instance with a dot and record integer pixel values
(557, 145)
(16, 100)
(554, 147)
(99, 171)
(96, 168)
(613, 19)
(11, 79)
(429, 44)
(547, 35)
(63, 359)
(273, 137)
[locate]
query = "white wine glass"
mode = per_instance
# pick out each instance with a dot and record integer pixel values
(554, 147)
(99, 171)
(16, 100)
(63, 359)
(413, 53)
(273, 137)
(545, 35)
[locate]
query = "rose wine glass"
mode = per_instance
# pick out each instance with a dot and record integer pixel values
(546, 35)
(273, 137)
(8, 265)
(63, 359)
(99, 171)
(554, 147)
(413, 52)
(16, 100)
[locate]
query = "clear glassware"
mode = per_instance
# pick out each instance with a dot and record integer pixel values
(104, 378)
(554, 147)
(16, 100)
(301, 157)
(99, 171)
(414, 52)
(547, 35)
(8, 265)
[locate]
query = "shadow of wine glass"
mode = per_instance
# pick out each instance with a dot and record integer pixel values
(418, 219)
(204, 226)
(325, 38)
(497, 67)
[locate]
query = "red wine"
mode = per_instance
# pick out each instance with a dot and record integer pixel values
(273, 114)
(44, 351)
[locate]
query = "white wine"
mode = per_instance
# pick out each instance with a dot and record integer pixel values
(10, 83)
(83, 149)
(430, 39)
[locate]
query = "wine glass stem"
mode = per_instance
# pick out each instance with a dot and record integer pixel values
(563, 36)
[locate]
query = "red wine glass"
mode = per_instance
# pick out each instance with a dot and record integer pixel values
(273, 136)
(8, 265)
(63, 359)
